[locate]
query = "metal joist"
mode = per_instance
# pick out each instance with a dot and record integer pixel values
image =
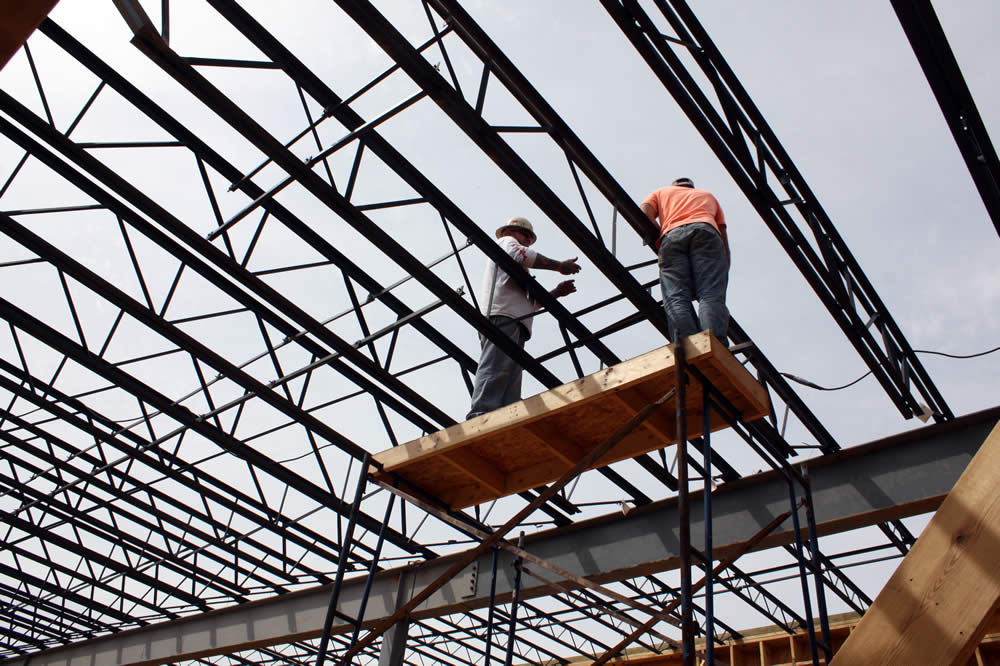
(204, 427)
(93, 476)
(829, 267)
(371, 139)
(144, 503)
(469, 120)
(160, 53)
(198, 351)
(212, 158)
(936, 58)
(149, 41)
(162, 460)
(497, 63)
(225, 267)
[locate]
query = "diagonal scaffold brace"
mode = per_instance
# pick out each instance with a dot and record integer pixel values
(744, 548)
(491, 540)
(517, 551)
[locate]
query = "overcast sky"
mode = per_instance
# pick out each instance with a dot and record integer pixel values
(837, 82)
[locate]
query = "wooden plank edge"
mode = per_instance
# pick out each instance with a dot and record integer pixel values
(938, 604)
(591, 387)
(743, 380)
(478, 470)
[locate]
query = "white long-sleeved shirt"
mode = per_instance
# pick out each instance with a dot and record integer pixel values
(500, 295)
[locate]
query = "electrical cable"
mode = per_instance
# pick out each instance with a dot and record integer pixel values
(927, 351)
(806, 382)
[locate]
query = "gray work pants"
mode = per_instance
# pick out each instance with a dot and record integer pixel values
(498, 377)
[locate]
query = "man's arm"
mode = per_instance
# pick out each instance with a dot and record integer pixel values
(721, 221)
(649, 211)
(564, 288)
(568, 267)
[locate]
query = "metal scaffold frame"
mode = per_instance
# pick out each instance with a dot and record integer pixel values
(136, 500)
(806, 551)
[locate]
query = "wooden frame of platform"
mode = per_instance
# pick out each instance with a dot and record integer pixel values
(533, 441)
(20, 19)
(772, 646)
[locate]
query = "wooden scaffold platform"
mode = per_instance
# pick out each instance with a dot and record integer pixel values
(535, 440)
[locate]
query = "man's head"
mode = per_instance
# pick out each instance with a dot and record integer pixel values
(683, 182)
(520, 228)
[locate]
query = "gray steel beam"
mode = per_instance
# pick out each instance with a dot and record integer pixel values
(394, 640)
(904, 475)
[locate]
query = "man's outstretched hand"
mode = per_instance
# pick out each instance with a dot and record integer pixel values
(569, 267)
(565, 287)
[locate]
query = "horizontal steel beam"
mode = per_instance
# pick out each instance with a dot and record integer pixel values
(903, 475)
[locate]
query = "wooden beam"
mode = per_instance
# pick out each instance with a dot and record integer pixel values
(556, 442)
(936, 607)
(661, 425)
(479, 470)
(18, 19)
(772, 646)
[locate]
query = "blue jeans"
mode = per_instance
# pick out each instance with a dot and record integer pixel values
(694, 265)
(498, 377)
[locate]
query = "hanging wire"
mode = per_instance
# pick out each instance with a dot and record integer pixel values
(806, 382)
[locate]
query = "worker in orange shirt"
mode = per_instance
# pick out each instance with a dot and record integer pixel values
(693, 257)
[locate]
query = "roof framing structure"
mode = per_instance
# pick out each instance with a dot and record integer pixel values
(905, 475)
(212, 348)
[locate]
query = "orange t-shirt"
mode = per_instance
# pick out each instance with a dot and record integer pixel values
(676, 206)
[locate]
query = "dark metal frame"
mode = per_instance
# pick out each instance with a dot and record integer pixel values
(152, 534)
(748, 148)
(930, 45)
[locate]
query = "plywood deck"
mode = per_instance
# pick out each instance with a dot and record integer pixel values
(535, 440)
